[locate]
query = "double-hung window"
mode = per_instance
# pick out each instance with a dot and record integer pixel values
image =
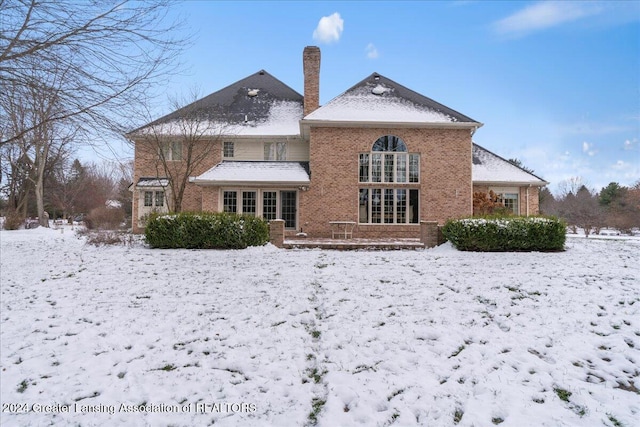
(228, 149)
(170, 150)
(275, 151)
(153, 196)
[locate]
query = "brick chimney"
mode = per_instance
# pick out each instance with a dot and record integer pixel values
(311, 69)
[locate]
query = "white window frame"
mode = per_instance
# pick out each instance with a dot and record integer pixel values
(171, 150)
(368, 211)
(157, 194)
(259, 201)
(228, 149)
(385, 158)
(508, 193)
(275, 151)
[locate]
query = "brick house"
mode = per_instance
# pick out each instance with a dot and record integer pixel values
(379, 156)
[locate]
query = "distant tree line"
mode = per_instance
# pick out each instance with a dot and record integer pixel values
(614, 206)
(71, 190)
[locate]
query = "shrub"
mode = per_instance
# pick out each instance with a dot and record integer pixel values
(205, 231)
(13, 220)
(494, 234)
(104, 218)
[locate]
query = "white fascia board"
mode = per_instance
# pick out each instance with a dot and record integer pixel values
(261, 184)
(367, 124)
(512, 183)
(305, 125)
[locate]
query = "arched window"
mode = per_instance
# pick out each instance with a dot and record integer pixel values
(389, 162)
(389, 143)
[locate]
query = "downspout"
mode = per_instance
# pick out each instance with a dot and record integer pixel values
(528, 199)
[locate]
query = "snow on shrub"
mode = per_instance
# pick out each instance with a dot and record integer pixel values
(205, 231)
(495, 234)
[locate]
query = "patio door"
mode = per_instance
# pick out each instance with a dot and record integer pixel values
(288, 208)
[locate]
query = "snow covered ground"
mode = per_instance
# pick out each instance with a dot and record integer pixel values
(125, 335)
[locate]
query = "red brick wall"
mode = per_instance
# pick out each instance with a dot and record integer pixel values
(534, 205)
(445, 177)
(147, 164)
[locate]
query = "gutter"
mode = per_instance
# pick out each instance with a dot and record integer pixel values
(512, 183)
(305, 125)
(203, 182)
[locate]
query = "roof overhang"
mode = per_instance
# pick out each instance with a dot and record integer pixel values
(152, 183)
(306, 124)
(255, 174)
(512, 183)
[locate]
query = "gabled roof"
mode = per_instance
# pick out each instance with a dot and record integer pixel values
(255, 173)
(259, 104)
(489, 168)
(381, 100)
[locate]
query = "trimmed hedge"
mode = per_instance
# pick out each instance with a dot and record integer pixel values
(506, 234)
(205, 230)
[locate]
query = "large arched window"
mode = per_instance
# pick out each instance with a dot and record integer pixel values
(389, 143)
(389, 162)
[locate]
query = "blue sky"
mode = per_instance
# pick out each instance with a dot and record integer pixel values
(556, 84)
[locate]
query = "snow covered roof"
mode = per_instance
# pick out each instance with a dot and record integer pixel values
(379, 99)
(489, 168)
(153, 182)
(259, 104)
(255, 173)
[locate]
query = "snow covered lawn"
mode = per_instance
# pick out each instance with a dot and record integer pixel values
(132, 336)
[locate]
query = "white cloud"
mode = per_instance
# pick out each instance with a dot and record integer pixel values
(372, 51)
(631, 144)
(620, 165)
(545, 14)
(587, 148)
(625, 173)
(329, 29)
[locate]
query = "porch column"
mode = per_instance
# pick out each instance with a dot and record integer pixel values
(430, 234)
(276, 232)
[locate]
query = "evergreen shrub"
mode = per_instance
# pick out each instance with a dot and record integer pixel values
(501, 234)
(205, 230)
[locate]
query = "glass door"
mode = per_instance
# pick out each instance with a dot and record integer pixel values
(288, 208)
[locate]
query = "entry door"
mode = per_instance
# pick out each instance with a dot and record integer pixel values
(288, 206)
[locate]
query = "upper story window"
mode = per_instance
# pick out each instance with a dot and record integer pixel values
(170, 150)
(228, 149)
(389, 162)
(275, 151)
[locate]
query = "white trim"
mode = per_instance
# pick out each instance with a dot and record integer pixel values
(512, 183)
(306, 124)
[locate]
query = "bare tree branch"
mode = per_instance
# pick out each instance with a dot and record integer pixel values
(114, 52)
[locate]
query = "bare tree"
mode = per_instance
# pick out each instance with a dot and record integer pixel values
(67, 188)
(180, 147)
(570, 186)
(16, 185)
(40, 141)
(582, 209)
(112, 52)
